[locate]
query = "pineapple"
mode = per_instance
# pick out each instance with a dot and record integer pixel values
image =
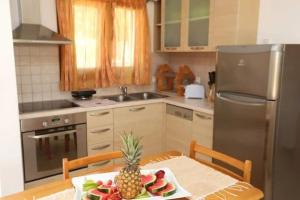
(129, 181)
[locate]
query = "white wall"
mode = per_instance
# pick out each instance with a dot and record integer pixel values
(279, 21)
(15, 18)
(11, 176)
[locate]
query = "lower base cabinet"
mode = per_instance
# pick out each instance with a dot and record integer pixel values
(100, 134)
(144, 121)
(203, 131)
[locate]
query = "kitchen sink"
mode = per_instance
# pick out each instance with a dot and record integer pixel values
(121, 98)
(136, 97)
(147, 95)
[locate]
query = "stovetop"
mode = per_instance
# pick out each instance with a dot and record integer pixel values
(45, 106)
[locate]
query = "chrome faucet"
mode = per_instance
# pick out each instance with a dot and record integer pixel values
(123, 90)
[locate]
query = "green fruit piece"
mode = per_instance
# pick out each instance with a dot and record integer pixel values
(88, 185)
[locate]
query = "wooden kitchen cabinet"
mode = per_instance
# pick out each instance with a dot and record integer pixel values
(145, 121)
(100, 133)
(178, 129)
(235, 22)
(186, 25)
(202, 25)
(202, 131)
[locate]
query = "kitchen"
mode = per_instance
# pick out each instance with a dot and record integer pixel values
(37, 74)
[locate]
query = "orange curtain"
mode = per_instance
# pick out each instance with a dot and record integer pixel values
(110, 43)
(131, 44)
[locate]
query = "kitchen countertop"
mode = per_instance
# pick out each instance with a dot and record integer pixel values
(201, 105)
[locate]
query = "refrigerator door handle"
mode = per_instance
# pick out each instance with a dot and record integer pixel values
(246, 103)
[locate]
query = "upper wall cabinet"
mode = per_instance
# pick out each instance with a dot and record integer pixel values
(201, 25)
(235, 22)
(185, 25)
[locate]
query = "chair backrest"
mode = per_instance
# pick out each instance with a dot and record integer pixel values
(244, 167)
(84, 161)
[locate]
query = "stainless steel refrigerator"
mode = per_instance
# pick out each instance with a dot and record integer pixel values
(257, 114)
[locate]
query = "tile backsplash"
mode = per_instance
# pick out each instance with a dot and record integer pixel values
(200, 63)
(37, 70)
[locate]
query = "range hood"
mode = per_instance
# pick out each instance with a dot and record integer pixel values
(31, 29)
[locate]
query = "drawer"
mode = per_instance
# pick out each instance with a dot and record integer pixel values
(99, 118)
(100, 135)
(100, 148)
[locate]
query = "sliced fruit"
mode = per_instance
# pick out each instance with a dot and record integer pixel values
(160, 174)
(143, 194)
(99, 182)
(105, 189)
(159, 185)
(168, 191)
(109, 182)
(88, 185)
(95, 194)
(148, 180)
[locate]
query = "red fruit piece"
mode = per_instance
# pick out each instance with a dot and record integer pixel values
(109, 182)
(160, 174)
(99, 183)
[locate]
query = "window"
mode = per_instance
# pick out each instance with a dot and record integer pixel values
(111, 43)
(124, 34)
(85, 22)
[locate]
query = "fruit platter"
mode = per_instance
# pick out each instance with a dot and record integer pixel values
(156, 184)
(130, 182)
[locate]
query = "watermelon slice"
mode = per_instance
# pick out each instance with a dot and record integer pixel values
(159, 185)
(168, 191)
(95, 194)
(105, 189)
(148, 180)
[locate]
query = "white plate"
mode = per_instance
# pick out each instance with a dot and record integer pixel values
(169, 176)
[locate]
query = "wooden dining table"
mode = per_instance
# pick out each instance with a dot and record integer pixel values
(251, 193)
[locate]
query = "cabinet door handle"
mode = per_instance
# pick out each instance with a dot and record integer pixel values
(99, 114)
(137, 109)
(100, 131)
(203, 116)
(101, 163)
(171, 48)
(101, 147)
(197, 48)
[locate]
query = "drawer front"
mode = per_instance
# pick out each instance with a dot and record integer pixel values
(100, 135)
(132, 114)
(100, 118)
(100, 148)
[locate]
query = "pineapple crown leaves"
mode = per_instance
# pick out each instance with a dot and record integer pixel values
(132, 149)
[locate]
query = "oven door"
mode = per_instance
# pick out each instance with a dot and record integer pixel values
(43, 153)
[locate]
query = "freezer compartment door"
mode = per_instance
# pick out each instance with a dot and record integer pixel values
(253, 70)
(240, 130)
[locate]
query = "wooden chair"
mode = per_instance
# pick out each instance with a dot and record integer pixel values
(82, 162)
(244, 167)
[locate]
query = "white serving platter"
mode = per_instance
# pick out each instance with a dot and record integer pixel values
(169, 176)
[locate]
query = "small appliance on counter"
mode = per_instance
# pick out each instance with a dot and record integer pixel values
(194, 91)
(83, 94)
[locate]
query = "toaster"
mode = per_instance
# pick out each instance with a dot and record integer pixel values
(194, 91)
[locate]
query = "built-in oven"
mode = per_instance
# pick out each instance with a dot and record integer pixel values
(47, 140)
